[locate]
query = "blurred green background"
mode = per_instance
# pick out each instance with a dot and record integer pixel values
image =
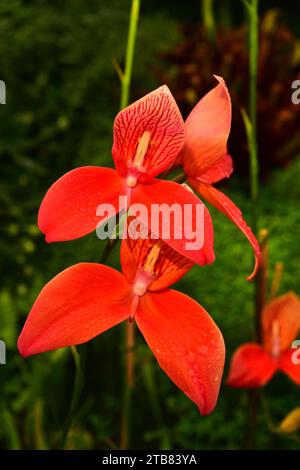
(62, 96)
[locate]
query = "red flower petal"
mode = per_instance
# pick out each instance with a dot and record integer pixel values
(169, 268)
(68, 209)
(225, 205)
(206, 131)
(165, 194)
(286, 311)
(222, 169)
(186, 342)
(158, 114)
(251, 367)
(289, 363)
(78, 304)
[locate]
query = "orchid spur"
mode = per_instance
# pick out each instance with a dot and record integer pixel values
(87, 299)
(253, 365)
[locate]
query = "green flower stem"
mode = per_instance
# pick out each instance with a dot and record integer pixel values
(208, 20)
(276, 279)
(129, 384)
(149, 379)
(253, 61)
(39, 438)
(251, 130)
(250, 121)
(79, 360)
(180, 178)
(253, 99)
(261, 285)
(125, 79)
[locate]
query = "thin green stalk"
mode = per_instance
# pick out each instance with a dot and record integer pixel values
(126, 77)
(253, 63)
(125, 80)
(251, 130)
(250, 435)
(276, 279)
(208, 19)
(180, 178)
(8, 423)
(261, 284)
(129, 384)
(39, 438)
(252, 7)
(79, 360)
(149, 378)
(250, 119)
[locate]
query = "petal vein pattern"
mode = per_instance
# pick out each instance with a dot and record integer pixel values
(157, 114)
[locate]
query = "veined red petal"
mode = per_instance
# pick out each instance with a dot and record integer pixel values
(191, 229)
(289, 363)
(225, 205)
(206, 131)
(285, 310)
(222, 169)
(169, 267)
(157, 114)
(186, 342)
(251, 367)
(78, 304)
(68, 210)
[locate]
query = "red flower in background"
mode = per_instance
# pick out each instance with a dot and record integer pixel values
(148, 136)
(205, 160)
(253, 365)
(87, 299)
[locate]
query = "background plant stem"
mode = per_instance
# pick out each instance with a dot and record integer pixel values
(129, 335)
(253, 62)
(129, 383)
(79, 360)
(149, 379)
(251, 129)
(276, 279)
(261, 285)
(208, 19)
(126, 77)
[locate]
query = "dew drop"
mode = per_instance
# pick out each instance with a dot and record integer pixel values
(203, 350)
(191, 357)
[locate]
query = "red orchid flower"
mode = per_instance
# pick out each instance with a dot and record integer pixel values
(88, 298)
(148, 136)
(253, 365)
(205, 160)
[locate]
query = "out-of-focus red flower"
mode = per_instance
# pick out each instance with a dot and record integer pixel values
(205, 160)
(253, 365)
(148, 136)
(87, 299)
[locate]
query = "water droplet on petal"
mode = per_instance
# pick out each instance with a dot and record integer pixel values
(191, 357)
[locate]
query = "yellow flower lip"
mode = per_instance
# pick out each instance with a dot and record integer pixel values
(147, 274)
(152, 257)
(142, 149)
